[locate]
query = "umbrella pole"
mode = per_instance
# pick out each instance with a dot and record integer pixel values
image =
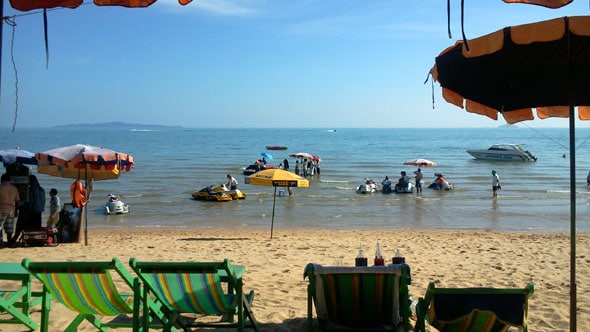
(85, 207)
(1, 32)
(573, 286)
(272, 223)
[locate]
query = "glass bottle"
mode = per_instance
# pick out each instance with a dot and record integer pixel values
(361, 259)
(398, 258)
(379, 261)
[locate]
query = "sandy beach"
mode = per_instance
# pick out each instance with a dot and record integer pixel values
(274, 268)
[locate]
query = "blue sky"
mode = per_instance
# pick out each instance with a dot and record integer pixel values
(250, 63)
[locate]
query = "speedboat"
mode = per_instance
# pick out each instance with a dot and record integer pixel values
(504, 152)
(440, 183)
(114, 205)
(368, 187)
(211, 193)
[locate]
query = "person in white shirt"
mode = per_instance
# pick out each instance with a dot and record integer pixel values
(232, 183)
(495, 183)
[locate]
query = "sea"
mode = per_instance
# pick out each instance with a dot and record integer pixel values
(172, 162)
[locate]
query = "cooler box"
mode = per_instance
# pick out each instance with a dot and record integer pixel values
(40, 236)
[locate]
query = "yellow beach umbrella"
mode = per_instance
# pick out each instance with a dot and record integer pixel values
(276, 177)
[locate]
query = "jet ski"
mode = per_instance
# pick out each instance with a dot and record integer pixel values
(211, 193)
(440, 183)
(235, 194)
(114, 205)
(404, 188)
(368, 187)
(254, 168)
(403, 185)
(386, 187)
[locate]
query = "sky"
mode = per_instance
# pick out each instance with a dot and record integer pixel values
(246, 64)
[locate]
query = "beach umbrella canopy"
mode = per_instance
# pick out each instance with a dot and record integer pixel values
(543, 66)
(276, 177)
(420, 162)
(83, 162)
(11, 156)
(267, 155)
(544, 3)
(302, 155)
(25, 5)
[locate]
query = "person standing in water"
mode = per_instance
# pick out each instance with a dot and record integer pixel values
(419, 177)
(495, 183)
(232, 183)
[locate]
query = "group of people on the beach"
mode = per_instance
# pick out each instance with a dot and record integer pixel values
(21, 213)
(404, 181)
(440, 180)
(307, 167)
(22, 204)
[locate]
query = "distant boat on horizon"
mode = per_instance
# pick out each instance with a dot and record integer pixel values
(276, 147)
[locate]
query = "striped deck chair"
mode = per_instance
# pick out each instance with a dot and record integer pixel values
(88, 289)
(473, 309)
(361, 298)
(202, 288)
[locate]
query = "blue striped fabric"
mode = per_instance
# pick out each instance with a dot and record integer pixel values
(192, 293)
(87, 293)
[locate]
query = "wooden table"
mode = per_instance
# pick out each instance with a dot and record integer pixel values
(17, 302)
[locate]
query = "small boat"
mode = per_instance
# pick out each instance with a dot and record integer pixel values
(503, 152)
(114, 205)
(276, 147)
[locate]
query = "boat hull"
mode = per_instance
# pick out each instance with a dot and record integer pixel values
(503, 152)
(486, 155)
(276, 147)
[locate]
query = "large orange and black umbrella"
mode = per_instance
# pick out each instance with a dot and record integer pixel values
(543, 66)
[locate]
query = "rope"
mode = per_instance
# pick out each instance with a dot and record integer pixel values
(12, 22)
(554, 140)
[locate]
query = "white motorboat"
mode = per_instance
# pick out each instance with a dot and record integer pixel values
(114, 205)
(503, 152)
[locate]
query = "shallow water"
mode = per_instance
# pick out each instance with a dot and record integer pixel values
(172, 162)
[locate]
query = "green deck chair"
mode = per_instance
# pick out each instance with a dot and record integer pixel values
(88, 289)
(13, 305)
(202, 288)
(473, 309)
(361, 298)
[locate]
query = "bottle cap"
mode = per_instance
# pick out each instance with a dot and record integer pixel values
(361, 253)
(378, 251)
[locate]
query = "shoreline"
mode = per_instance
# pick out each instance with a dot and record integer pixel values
(274, 268)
